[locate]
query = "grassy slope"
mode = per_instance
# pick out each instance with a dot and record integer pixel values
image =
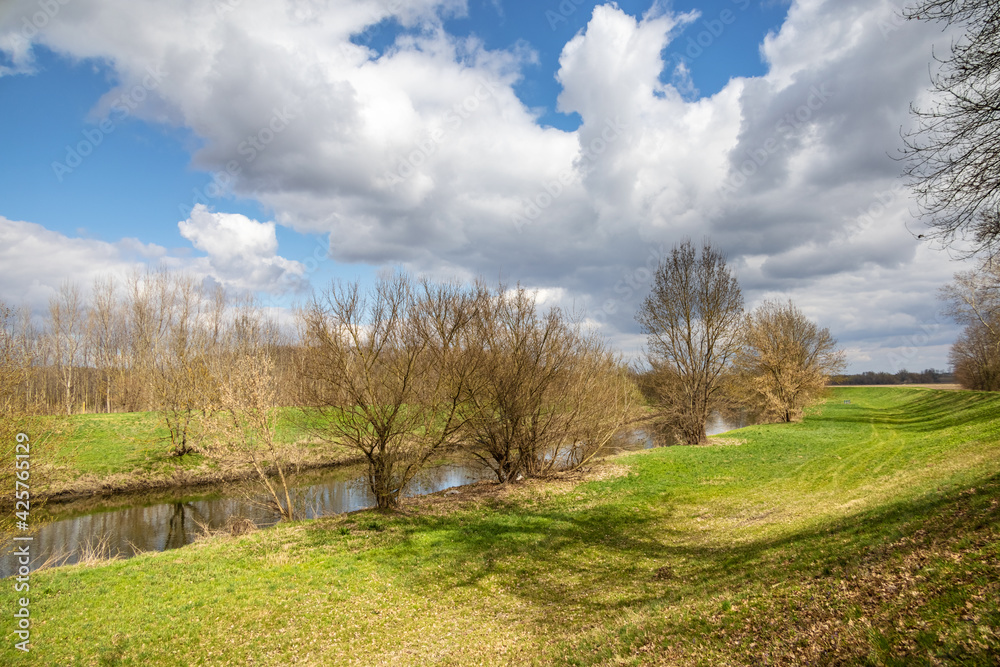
(128, 450)
(870, 534)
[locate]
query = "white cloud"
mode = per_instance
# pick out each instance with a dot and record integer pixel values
(37, 261)
(425, 156)
(241, 252)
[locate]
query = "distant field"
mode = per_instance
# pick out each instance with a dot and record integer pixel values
(941, 386)
(869, 534)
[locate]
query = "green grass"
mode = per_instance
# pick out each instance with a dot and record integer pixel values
(868, 534)
(128, 449)
(102, 444)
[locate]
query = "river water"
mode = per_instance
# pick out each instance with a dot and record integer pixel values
(127, 525)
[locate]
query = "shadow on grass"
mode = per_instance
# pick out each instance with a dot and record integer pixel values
(606, 558)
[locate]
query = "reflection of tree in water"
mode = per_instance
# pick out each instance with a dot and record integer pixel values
(663, 434)
(177, 526)
(170, 524)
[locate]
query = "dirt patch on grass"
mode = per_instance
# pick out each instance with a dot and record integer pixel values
(717, 441)
(490, 493)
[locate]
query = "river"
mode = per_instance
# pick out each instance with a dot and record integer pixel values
(127, 525)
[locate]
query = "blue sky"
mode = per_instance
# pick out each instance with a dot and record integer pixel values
(143, 166)
(376, 164)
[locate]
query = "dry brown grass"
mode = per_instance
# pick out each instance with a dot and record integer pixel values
(474, 496)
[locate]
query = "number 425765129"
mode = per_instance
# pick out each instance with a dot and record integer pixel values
(22, 467)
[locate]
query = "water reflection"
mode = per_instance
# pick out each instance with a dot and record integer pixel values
(172, 523)
(145, 523)
(658, 436)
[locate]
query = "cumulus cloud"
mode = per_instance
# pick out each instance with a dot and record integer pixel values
(241, 252)
(423, 155)
(37, 261)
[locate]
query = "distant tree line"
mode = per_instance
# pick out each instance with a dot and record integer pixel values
(928, 376)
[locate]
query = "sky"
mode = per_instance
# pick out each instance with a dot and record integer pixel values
(276, 145)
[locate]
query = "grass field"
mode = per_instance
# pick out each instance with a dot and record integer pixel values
(868, 534)
(132, 451)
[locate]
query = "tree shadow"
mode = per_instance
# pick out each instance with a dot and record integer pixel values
(605, 559)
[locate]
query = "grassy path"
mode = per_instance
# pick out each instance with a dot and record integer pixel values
(868, 534)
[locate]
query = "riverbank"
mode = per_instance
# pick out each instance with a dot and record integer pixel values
(87, 455)
(121, 454)
(868, 534)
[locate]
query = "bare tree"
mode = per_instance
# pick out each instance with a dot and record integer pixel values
(16, 417)
(783, 363)
(66, 337)
(692, 319)
(105, 331)
(953, 156)
(149, 299)
(975, 358)
(184, 386)
(605, 400)
(29, 346)
(545, 393)
(974, 300)
(974, 297)
(248, 402)
(387, 371)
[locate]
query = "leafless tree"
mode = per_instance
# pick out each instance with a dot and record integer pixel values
(105, 331)
(546, 394)
(784, 362)
(692, 320)
(605, 399)
(149, 298)
(184, 386)
(974, 297)
(974, 300)
(16, 416)
(975, 359)
(67, 317)
(387, 372)
(953, 155)
(29, 346)
(248, 402)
